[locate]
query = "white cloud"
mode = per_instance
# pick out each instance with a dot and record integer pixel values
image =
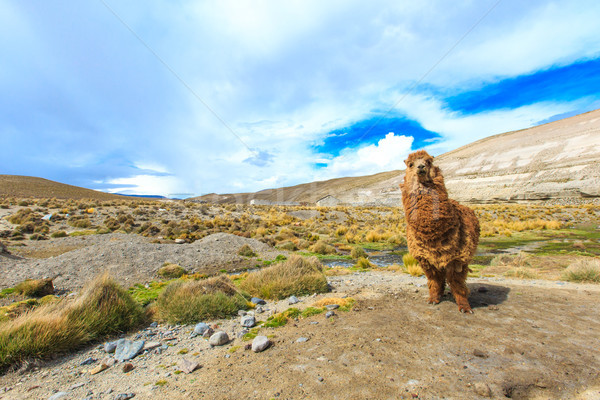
(387, 154)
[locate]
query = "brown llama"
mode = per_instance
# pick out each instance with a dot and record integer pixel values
(442, 235)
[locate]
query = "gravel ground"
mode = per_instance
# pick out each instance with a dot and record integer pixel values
(129, 258)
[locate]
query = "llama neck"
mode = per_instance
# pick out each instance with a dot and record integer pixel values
(428, 208)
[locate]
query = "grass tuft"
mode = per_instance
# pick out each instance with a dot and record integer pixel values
(103, 309)
(584, 270)
(171, 271)
(246, 251)
(190, 301)
(411, 265)
(35, 287)
(358, 252)
(296, 276)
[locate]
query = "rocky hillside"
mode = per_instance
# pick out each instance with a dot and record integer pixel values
(29, 186)
(557, 160)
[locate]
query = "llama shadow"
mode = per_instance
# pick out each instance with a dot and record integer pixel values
(485, 295)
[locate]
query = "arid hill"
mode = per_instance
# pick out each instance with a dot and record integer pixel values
(557, 160)
(28, 186)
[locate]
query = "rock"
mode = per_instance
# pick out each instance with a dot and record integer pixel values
(126, 350)
(124, 396)
(482, 389)
(76, 386)
(259, 310)
(128, 367)
(154, 324)
(98, 368)
(188, 366)
(293, 300)
(241, 313)
(302, 339)
(260, 343)
(110, 347)
(180, 241)
(242, 333)
(329, 314)
(88, 361)
(332, 306)
(108, 361)
(208, 333)
(58, 395)
(151, 345)
(480, 353)
(248, 321)
(258, 301)
(218, 339)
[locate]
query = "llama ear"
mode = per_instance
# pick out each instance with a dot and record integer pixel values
(406, 162)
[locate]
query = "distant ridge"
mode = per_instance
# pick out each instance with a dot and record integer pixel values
(29, 186)
(556, 160)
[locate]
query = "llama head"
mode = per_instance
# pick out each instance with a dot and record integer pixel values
(419, 166)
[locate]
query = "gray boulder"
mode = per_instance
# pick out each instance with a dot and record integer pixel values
(260, 343)
(218, 339)
(126, 350)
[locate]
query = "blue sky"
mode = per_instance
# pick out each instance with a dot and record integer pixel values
(193, 97)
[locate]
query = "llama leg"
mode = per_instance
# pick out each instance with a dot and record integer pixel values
(456, 274)
(435, 281)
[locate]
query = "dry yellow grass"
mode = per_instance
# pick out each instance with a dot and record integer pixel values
(296, 276)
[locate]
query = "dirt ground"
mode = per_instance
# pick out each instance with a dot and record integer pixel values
(526, 340)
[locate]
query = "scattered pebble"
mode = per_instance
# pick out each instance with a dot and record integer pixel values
(218, 339)
(258, 301)
(482, 389)
(188, 366)
(332, 306)
(127, 367)
(200, 328)
(480, 353)
(126, 349)
(260, 343)
(88, 361)
(58, 395)
(293, 300)
(248, 321)
(302, 339)
(124, 396)
(329, 314)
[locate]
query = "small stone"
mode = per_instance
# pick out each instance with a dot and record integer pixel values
(88, 361)
(124, 396)
(493, 307)
(260, 343)
(329, 314)
(151, 345)
(258, 301)
(482, 389)
(208, 333)
(293, 300)
(76, 386)
(218, 339)
(97, 369)
(248, 321)
(127, 350)
(58, 395)
(188, 366)
(127, 367)
(302, 339)
(259, 310)
(241, 313)
(110, 347)
(242, 333)
(180, 241)
(320, 379)
(200, 328)
(154, 324)
(332, 306)
(480, 353)
(108, 361)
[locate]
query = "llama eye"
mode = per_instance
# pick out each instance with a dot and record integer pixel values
(410, 165)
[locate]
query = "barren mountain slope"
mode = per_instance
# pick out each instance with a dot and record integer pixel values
(560, 159)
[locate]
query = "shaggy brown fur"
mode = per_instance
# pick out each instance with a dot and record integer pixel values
(441, 234)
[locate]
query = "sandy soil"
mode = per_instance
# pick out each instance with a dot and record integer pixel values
(526, 340)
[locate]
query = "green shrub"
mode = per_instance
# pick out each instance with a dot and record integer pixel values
(296, 276)
(363, 263)
(358, 252)
(186, 302)
(35, 287)
(58, 234)
(246, 251)
(171, 271)
(287, 245)
(320, 247)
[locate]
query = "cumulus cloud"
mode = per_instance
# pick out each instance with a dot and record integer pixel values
(387, 154)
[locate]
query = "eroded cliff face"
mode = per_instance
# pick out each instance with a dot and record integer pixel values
(558, 160)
